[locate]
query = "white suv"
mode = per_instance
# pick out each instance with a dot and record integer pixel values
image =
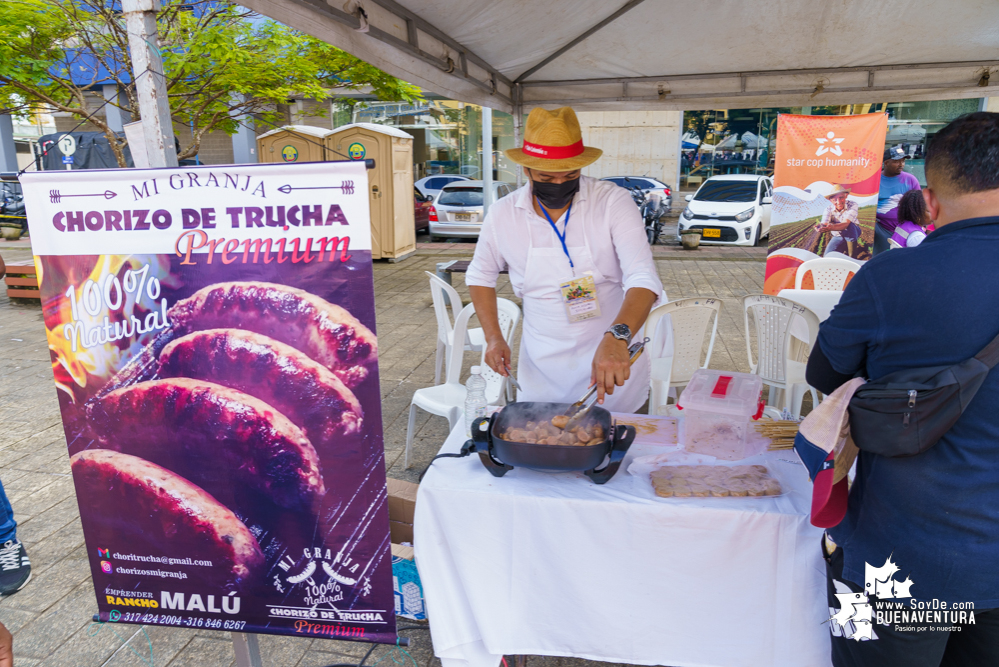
(731, 209)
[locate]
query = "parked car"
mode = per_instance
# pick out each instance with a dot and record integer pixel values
(423, 204)
(647, 184)
(432, 185)
(457, 212)
(732, 209)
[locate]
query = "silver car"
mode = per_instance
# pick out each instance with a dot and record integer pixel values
(431, 186)
(457, 213)
(647, 185)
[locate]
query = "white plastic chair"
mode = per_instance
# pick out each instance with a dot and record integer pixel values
(781, 358)
(475, 340)
(690, 319)
(508, 315)
(448, 399)
(828, 273)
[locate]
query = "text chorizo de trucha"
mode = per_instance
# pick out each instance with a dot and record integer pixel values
(325, 332)
(306, 392)
(164, 509)
(201, 429)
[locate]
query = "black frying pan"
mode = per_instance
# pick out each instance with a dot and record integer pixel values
(499, 455)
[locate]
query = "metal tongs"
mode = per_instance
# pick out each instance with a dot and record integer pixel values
(578, 410)
(512, 379)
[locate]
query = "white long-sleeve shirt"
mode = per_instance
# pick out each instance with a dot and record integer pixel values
(613, 226)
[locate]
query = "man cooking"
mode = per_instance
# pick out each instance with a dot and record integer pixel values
(578, 256)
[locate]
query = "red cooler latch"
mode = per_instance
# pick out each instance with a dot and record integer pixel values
(721, 387)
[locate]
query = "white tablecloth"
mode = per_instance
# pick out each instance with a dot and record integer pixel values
(820, 302)
(537, 563)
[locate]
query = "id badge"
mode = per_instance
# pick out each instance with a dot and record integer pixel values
(579, 296)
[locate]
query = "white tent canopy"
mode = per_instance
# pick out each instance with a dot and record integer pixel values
(512, 55)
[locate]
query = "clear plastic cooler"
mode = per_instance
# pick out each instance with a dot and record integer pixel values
(717, 407)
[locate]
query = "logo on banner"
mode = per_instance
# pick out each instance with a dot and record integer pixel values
(289, 154)
(106, 567)
(356, 151)
(103, 553)
(834, 148)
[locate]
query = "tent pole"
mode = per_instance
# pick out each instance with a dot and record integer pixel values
(518, 123)
(8, 150)
(150, 84)
(487, 159)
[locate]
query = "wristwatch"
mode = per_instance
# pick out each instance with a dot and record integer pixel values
(621, 332)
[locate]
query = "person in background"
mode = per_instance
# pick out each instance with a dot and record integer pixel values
(894, 184)
(936, 514)
(15, 568)
(913, 221)
(840, 221)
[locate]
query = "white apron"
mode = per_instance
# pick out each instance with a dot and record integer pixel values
(556, 356)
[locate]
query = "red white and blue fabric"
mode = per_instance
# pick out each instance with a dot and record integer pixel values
(825, 446)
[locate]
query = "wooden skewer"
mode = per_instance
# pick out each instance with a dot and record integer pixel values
(780, 433)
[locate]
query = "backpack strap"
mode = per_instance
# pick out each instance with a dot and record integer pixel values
(990, 353)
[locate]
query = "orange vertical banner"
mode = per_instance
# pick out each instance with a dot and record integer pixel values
(826, 178)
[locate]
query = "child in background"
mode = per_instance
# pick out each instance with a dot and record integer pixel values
(913, 221)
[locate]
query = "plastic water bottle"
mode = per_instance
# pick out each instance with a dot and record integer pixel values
(475, 399)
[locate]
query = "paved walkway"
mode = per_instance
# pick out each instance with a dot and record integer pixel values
(50, 618)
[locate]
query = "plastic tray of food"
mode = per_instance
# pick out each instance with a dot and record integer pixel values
(687, 476)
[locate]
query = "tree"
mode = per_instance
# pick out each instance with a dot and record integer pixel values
(220, 61)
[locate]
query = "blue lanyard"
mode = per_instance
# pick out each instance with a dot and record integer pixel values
(565, 229)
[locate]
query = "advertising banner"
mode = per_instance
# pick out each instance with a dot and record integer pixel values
(826, 177)
(212, 332)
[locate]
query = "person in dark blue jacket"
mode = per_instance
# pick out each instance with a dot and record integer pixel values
(919, 543)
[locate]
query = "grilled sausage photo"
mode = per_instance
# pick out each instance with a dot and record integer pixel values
(169, 511)
(325, 332)
(308, 393)
(212, 434)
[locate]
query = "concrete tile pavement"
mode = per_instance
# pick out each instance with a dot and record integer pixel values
(51, 617)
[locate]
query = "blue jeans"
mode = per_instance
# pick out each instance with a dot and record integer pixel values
(8, 527)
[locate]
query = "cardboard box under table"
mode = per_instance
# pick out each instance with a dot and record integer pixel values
(537, 563)
(406, 579)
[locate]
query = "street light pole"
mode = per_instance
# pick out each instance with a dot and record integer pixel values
(150, 84)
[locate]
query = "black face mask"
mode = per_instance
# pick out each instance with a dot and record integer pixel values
(555, 195)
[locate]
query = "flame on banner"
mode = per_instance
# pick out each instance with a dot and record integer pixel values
(75, 370)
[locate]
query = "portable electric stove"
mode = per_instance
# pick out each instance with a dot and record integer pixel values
(499, 456)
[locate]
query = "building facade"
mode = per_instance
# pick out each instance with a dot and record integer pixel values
(679, 148)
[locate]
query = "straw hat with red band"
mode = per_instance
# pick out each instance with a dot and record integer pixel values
(553, 142)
